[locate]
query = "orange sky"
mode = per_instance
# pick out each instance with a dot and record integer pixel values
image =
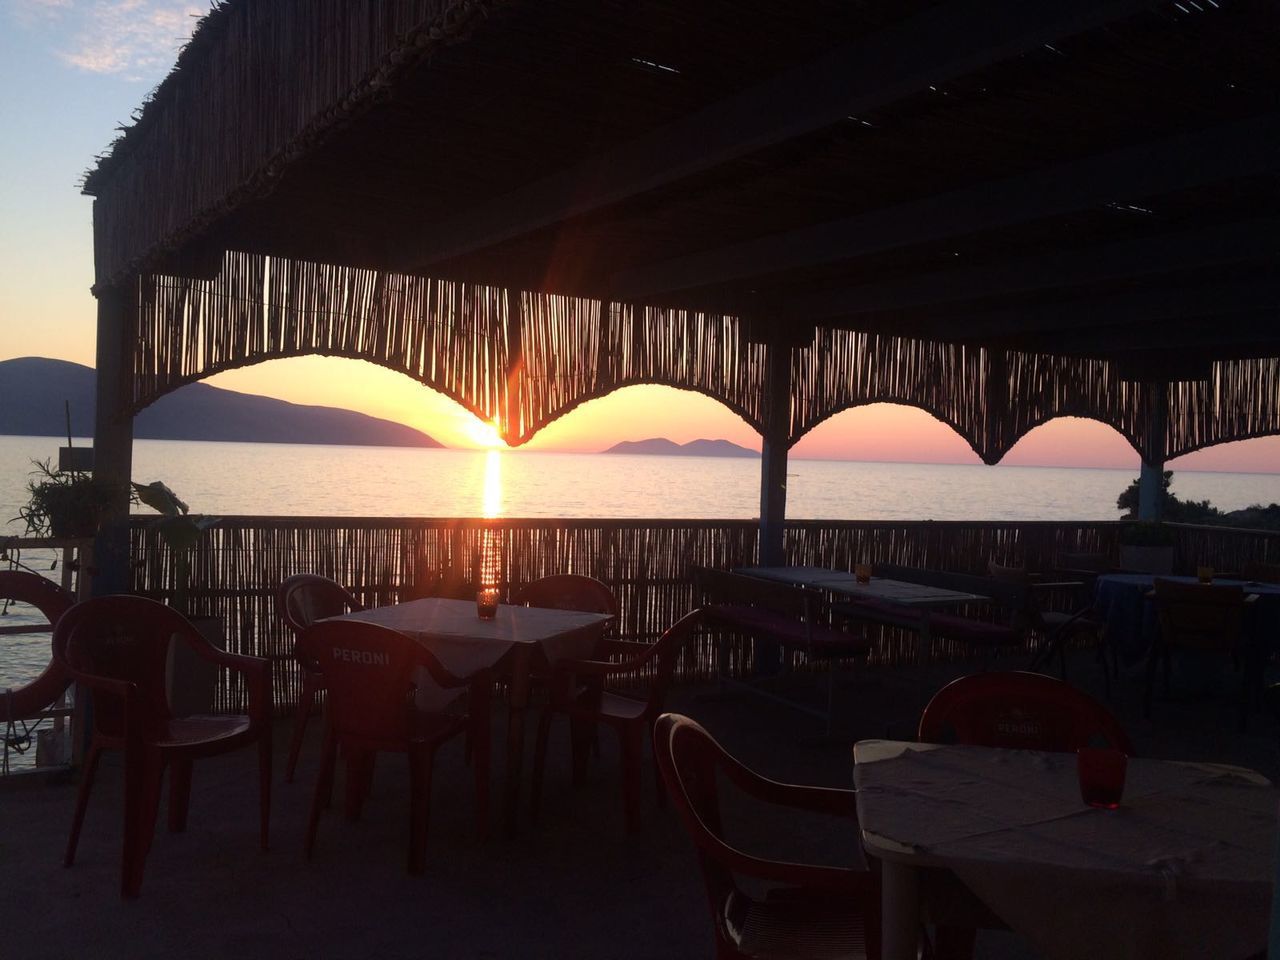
(876, 432)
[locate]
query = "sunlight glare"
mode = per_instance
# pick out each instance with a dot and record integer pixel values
(492, 485)
(486, 435)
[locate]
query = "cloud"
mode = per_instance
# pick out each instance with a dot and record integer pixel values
(135, 39)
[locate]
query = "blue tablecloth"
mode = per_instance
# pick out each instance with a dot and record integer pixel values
(1131, 617)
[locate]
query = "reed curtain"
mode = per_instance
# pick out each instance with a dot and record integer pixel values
(524, 359)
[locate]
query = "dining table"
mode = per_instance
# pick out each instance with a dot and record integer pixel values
(916, 600)
(517, 643)
(1124, 603)
(844, 583)
(1182, 868)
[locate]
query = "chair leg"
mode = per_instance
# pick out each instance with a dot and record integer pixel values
(179, 794)
(264, 787)
(420, 763)
(660, 788)
(142, 776)
(581, 733)
(82, 802)
(539, 762)
(305, 702)
(954, 943)
(478, 729)
(324, 787)
(632, 739)
(1153, 661)
(359, 782)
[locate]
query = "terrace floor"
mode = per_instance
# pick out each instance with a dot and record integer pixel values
(573, 885)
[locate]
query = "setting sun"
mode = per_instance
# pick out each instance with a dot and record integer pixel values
(485, 434)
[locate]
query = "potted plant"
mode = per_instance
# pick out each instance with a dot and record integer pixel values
(67, 503)
(1146, 546)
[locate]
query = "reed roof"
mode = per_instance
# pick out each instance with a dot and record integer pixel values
(1093, 179)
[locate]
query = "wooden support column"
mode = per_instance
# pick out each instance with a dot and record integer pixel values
(512, 426)
(113, 433)
(1151, 477)
(773, 460)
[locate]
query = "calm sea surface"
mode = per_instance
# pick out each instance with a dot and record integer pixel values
(298, 480)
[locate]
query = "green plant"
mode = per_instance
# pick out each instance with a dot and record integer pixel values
(1146, 533)
(179, 528)
(65, 504)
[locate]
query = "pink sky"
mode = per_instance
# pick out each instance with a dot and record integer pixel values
(876, 432)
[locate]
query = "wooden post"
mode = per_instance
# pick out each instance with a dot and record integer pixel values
(1151, 477)
(511, 413)
(773, 460)
(113, 434)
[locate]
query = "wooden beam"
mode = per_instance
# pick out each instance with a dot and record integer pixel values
(1167, 253)
(948, 41)
(1239, 149)
(1225, 336)
(1077, 316)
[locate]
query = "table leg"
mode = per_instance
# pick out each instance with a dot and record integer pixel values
(899, 911)
(517, 707)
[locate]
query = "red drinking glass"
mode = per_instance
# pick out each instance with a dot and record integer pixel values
(1101, 774)
(862, 572)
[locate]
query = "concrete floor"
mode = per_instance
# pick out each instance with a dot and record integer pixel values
(573, 885)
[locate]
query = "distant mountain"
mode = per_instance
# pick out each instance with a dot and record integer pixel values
(662, 447)
(33, 389)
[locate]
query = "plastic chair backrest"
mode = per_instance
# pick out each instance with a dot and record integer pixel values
(1199, 616)
(125, 638)
(569, 591)
(691, 760)
(1019, 710)
(303, 599)
(664, 654)
(369, 674)
(53, 602)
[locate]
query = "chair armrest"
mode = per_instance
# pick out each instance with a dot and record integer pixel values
(828, 800)
(256, 671)
(846, 880)
(631, 648)
(1040, 585)
(116, 688)
(597, 668)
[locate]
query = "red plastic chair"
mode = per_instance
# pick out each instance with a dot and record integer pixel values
(1015, 710)
(569, 591)
(1018, 710)
(52, 601)
(809, 911)
(117, 649)
(301, 600)
(369, 673)
(578, 692)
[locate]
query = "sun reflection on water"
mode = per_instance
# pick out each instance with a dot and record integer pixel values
(492, 505)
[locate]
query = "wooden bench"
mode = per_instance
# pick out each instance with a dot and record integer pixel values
(932, 623)
(789, 617)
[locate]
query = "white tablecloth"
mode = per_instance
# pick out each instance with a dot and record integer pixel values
(1182, 869)
(465, 644)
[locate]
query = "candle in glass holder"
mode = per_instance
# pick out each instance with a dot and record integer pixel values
(1101, 775)
(1204, 574)
(862, 572)
(487, 603)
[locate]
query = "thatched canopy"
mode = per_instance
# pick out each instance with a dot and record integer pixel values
(998, 210)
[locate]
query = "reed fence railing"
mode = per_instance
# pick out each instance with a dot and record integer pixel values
(237, 564)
